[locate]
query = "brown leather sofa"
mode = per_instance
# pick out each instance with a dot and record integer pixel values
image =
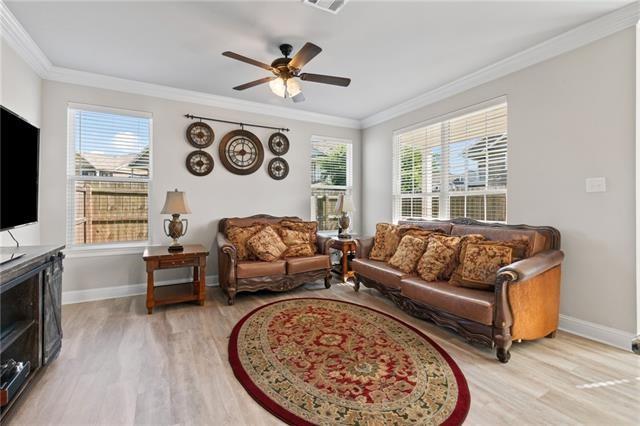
(280, 275)
(523, 306)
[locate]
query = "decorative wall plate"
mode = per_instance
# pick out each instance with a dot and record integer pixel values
(200, 135)
(279, 143)
(278, 168)
(241, 152)
(200, 163)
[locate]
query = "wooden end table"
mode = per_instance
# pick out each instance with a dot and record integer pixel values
(193, 255)
(348, 248)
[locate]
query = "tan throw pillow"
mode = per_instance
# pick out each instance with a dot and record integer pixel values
(435, 260)
(311, 228)
(385, 242)
(481, 260)
(239, 235)
(408, 253)
(266, 245)
(416, 231)
(299, 250)
(292, 238)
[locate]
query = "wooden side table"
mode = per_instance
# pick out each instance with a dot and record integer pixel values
(193, 255)
(348, 248)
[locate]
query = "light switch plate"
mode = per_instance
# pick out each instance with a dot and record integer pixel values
(596, 184)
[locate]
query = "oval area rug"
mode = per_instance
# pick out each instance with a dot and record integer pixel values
(323, 361)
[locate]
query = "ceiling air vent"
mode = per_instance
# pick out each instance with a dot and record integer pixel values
(333, 6)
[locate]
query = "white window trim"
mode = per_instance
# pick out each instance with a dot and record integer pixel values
(104, 249)
(443, 207)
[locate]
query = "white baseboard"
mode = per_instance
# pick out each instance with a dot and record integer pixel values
(89, 295)
(599, 333)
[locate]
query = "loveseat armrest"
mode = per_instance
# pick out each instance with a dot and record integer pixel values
(363, 247)
(535, 265)
(322, 243)
(226, 246)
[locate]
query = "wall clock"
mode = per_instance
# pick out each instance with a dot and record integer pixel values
(199, 163)
(241, 152)
(200, 135)
(279, 143)
(278, 168)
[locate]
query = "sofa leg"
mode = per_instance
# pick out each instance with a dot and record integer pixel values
(327, 281)
(503, 355)
(231, 297)
(356, 284)
(552, 335)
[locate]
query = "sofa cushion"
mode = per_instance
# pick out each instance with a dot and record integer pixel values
(266, 245)
(378, 271)
(408, 253)
(257, 268)
(480, 261)
(238, 235)
(536, 240)
(475, 305)
(435, 260)
(305, 264)
(385, 242)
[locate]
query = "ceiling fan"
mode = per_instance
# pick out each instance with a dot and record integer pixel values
(286, 70)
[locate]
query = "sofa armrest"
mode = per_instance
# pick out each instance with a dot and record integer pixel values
(226, 246)
(363, 247)
(533, 266)
(322, 243)
(227, 260)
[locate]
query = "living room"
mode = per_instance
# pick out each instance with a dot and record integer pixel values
(319, 212)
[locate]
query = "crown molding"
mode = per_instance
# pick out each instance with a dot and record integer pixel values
(20, 41)
(66, 75)
(582, 35)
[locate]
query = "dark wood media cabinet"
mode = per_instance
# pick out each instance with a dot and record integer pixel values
(30, 311)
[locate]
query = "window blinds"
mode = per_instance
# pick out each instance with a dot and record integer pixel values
(108, 176)
(331, 175)
(453, 168)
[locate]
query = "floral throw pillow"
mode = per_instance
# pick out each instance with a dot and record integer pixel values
(481, 260)
(435, 260)
(238, 235)
(385, 242)
(310, 228)
(266, 245)
(408, 253)
(299, 250)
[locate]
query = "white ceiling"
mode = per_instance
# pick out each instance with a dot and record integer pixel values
(392, 51)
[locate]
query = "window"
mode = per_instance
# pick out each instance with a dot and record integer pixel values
(108, 176)
(331, 175)
(453, 168)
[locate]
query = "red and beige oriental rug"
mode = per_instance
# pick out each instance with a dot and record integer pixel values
(323, 361)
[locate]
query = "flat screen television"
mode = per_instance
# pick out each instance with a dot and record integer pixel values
(19, 146)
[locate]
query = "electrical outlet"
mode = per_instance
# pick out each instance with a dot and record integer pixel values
(596, 184)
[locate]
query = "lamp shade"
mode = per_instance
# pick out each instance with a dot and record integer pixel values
(345, 204)
(176, 203)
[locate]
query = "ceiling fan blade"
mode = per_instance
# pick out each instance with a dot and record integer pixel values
(304, 55)
(241, 58)
(326, 79)
(253, 83)
(298, 98)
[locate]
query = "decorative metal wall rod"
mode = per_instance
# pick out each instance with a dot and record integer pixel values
(196, 117)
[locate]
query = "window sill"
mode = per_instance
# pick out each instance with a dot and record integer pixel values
(107, 250)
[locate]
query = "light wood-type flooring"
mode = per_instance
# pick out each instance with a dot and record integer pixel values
(121, 366)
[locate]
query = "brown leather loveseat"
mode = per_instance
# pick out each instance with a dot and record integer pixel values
(524, 304)
(237, 274)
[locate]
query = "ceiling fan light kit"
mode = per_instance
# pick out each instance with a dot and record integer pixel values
(286, 71)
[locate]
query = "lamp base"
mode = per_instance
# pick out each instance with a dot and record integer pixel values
(175, 247)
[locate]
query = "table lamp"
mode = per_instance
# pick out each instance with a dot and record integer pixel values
(175, 205)
(344, 207)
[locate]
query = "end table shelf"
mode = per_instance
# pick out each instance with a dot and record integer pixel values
(193, 256)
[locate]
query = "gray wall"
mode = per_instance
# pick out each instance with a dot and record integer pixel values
(220, 194)
(21, 92)
(570, 118)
